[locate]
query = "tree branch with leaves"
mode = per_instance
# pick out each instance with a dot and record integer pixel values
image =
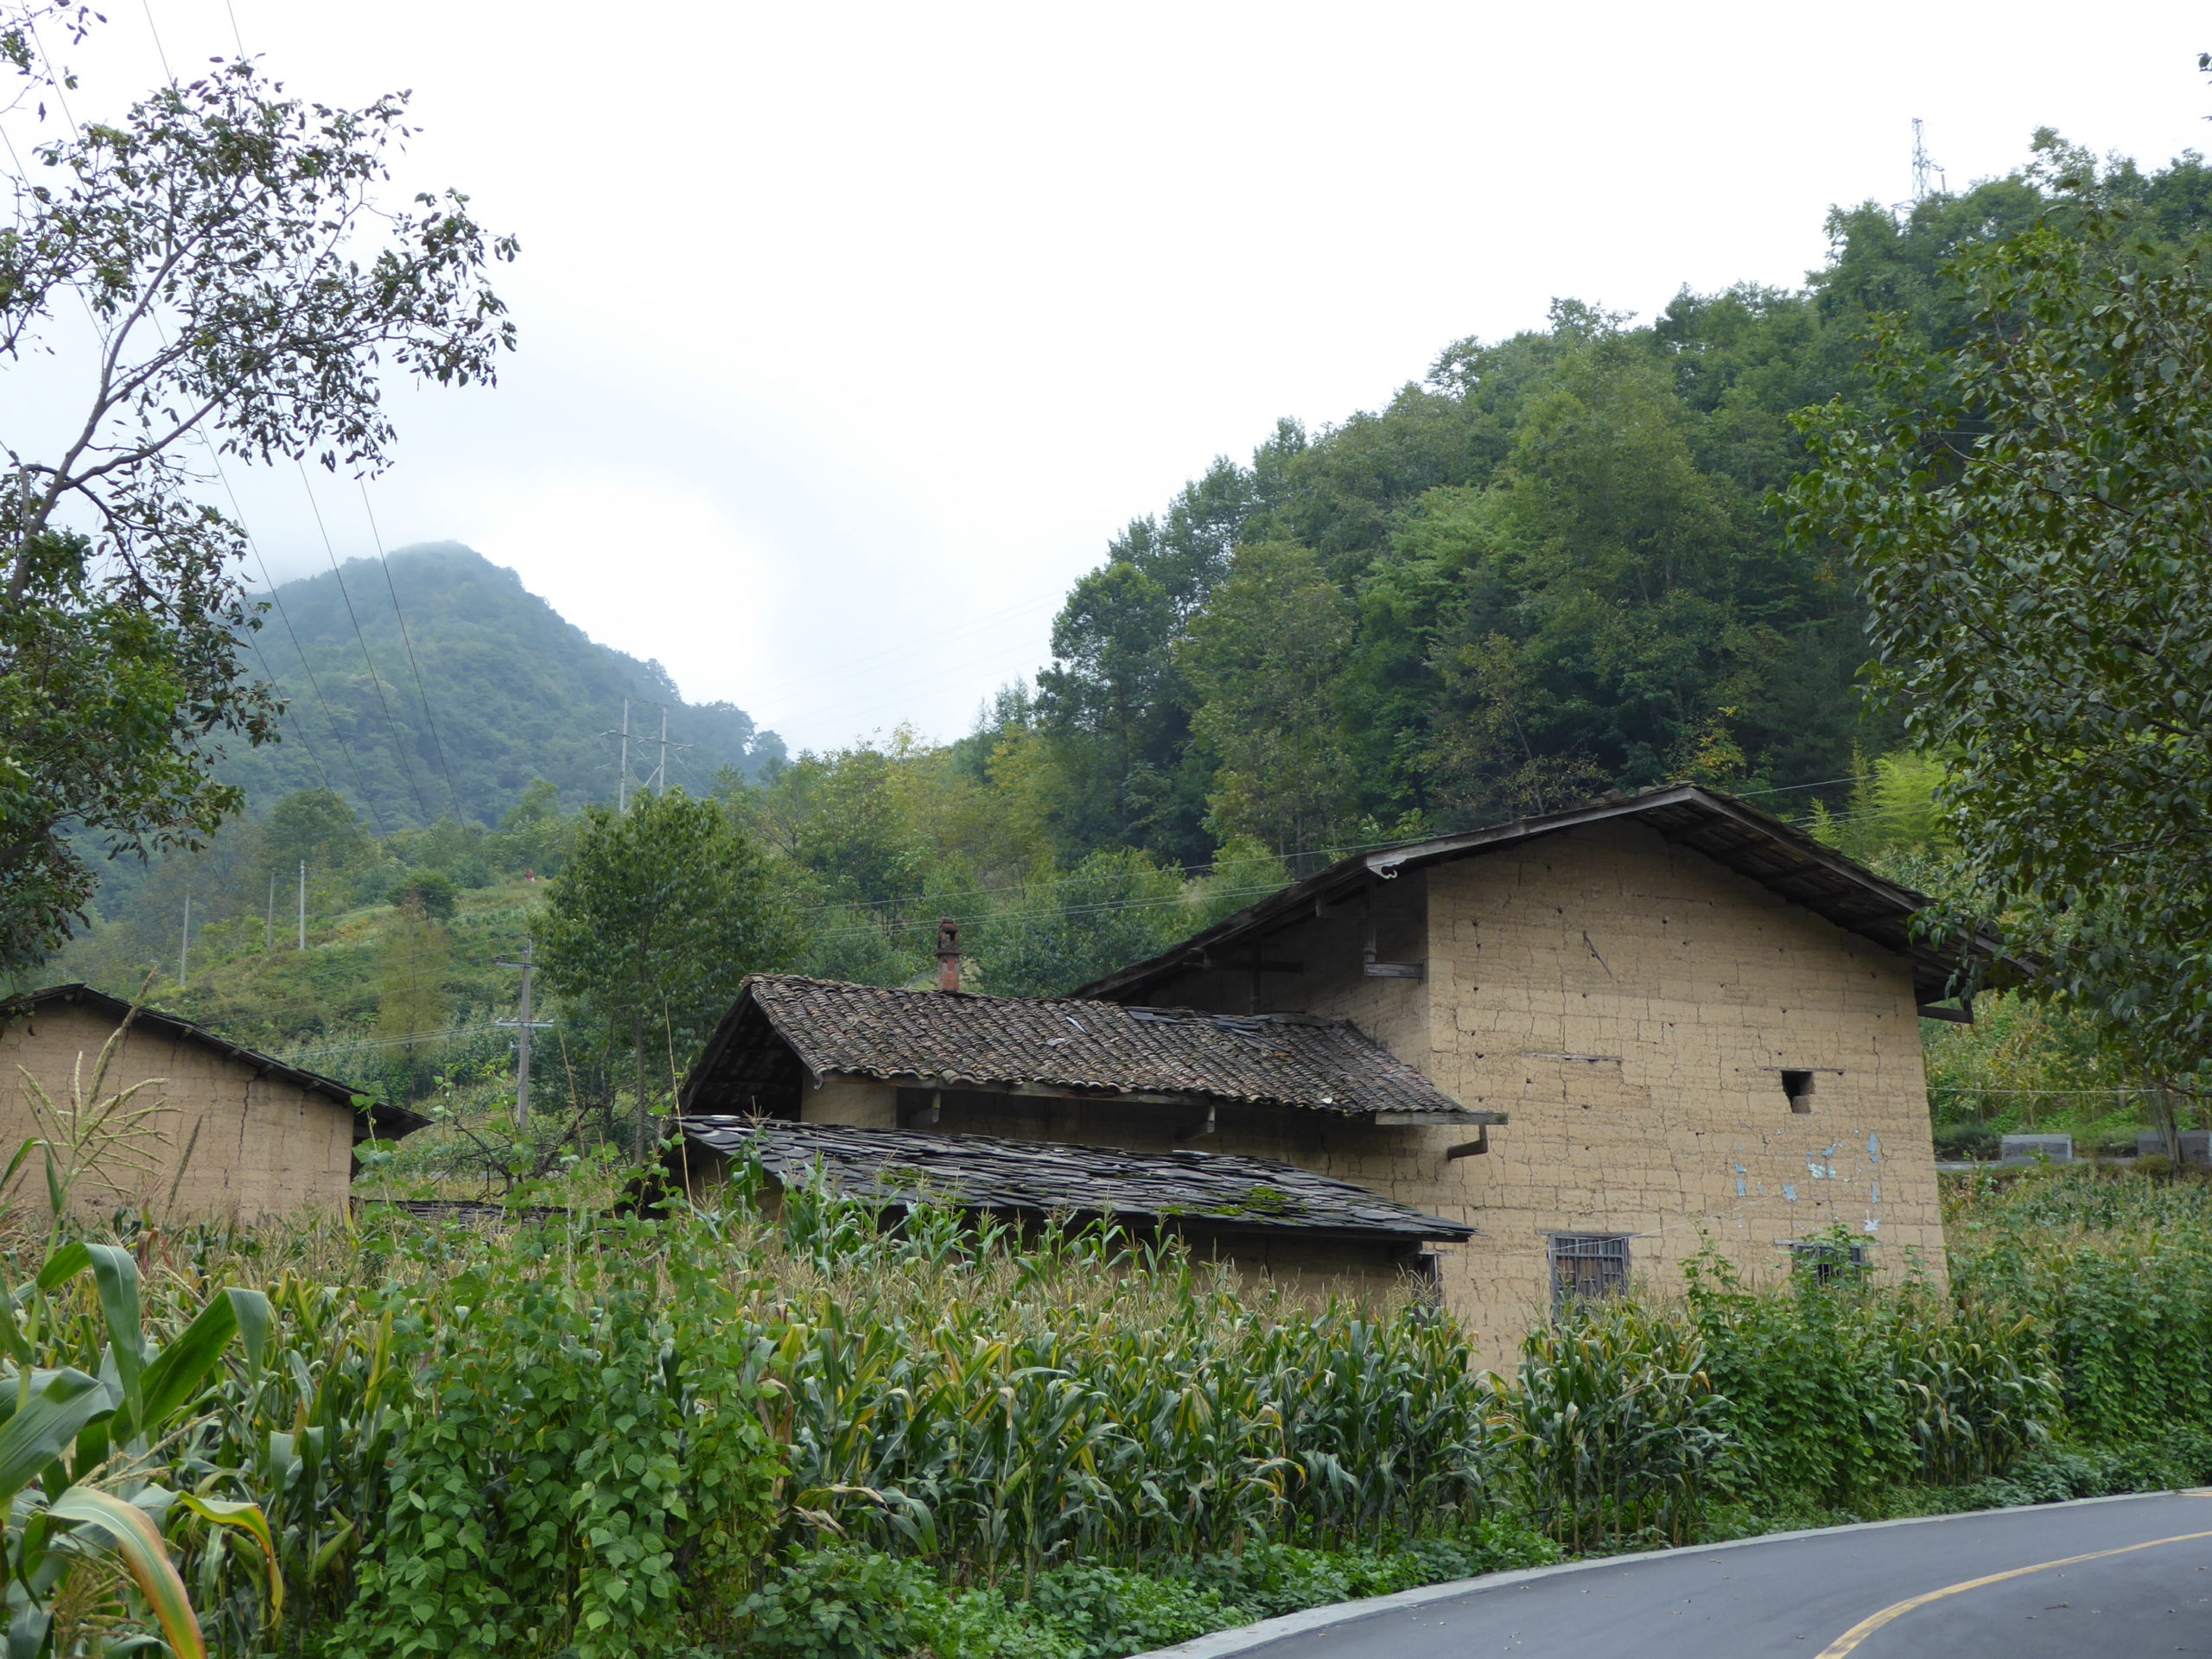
(246, 295)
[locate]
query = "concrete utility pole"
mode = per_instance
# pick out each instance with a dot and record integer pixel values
(268, 923)
(303, 904)
(522, 1028)
(622, 785)
(659, 784)
(184, 941)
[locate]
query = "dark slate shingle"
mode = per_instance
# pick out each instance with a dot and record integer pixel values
(955, 1039)
(980, 1171)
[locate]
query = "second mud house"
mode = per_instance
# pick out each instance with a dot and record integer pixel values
(233, 1136)
(1567, 1051)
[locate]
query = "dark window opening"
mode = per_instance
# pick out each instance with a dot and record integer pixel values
(1588, 1265)
(1798, 1086)
(1831, 1261)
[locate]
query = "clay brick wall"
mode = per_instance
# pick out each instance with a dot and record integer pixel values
(1633, 1007)
(259, 1145)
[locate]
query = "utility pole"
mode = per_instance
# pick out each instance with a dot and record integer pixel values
(522, 1029)
(268, 923)
(184, 941)
(303, 904)
(659, 784)
(622, 782)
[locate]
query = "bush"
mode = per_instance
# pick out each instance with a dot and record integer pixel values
(2115, 1271)
(1966, 1143)
(433, 891)
(1103, 1613)
(838, 1602)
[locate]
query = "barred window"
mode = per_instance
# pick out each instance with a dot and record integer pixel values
(1830, 1261)
(1588, 1264)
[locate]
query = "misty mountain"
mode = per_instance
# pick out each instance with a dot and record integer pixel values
(500, 689)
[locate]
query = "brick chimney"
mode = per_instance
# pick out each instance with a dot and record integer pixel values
(948, 955)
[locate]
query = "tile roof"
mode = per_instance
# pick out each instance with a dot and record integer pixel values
(956, 1040)
(390, 1122)
(1214, 1191)
(1780, 857)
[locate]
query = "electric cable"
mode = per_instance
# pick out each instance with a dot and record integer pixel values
(430, 720)
(376, 681)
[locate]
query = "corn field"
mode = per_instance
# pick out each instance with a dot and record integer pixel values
(596, 1436)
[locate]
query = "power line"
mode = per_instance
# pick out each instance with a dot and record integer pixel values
(277, 599)
(170, 74)
(215, 460)
(430, 720)
(376, 681)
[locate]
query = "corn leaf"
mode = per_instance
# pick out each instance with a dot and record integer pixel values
(35, 1436)
(252, 1310)
(249, 1519)
(117, 1275)
(143, 1555)
(173, 1380)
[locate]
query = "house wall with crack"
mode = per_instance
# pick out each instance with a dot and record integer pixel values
(1644, 1015)
(1633, 1006)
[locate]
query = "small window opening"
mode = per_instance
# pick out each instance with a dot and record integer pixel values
(1831, 1261)
(1798, 1086)
(1585, 1265)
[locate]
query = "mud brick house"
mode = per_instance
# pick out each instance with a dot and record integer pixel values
(1598, 1040)
(243, 1136)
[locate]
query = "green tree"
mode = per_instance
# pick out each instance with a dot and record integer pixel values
(414, 954)
(1115, 907)
(246, 294)
(659, 913)
(1263, 660)
(2028, 513)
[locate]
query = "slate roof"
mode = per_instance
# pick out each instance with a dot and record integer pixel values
(1778, 856)
(955, 1039)
(390, 1122)
(1214, 1191)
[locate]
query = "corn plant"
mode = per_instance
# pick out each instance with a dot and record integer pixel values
(84, 1446)
(1613, 1429)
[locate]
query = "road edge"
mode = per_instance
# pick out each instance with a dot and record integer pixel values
(1250, 1638)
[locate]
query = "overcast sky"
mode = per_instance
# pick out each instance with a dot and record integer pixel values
(851, 332)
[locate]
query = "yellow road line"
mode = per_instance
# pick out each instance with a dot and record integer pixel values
(1867, 1627)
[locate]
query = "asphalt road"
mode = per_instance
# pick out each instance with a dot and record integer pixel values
(1911, 1591)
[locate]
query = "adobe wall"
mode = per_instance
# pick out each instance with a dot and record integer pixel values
(258, 1146)
(1632, 1006)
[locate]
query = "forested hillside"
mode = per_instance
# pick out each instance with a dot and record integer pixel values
(1550, 567)
(1554, 566)
(488, 689)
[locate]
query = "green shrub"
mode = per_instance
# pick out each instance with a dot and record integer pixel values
(838, 1602)
(574, 1428)
(1103, 1613)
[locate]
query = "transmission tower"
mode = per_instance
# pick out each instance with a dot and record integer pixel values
(1928, 178)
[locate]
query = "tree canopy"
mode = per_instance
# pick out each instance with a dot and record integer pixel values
(2027, 509)
(247, 291)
